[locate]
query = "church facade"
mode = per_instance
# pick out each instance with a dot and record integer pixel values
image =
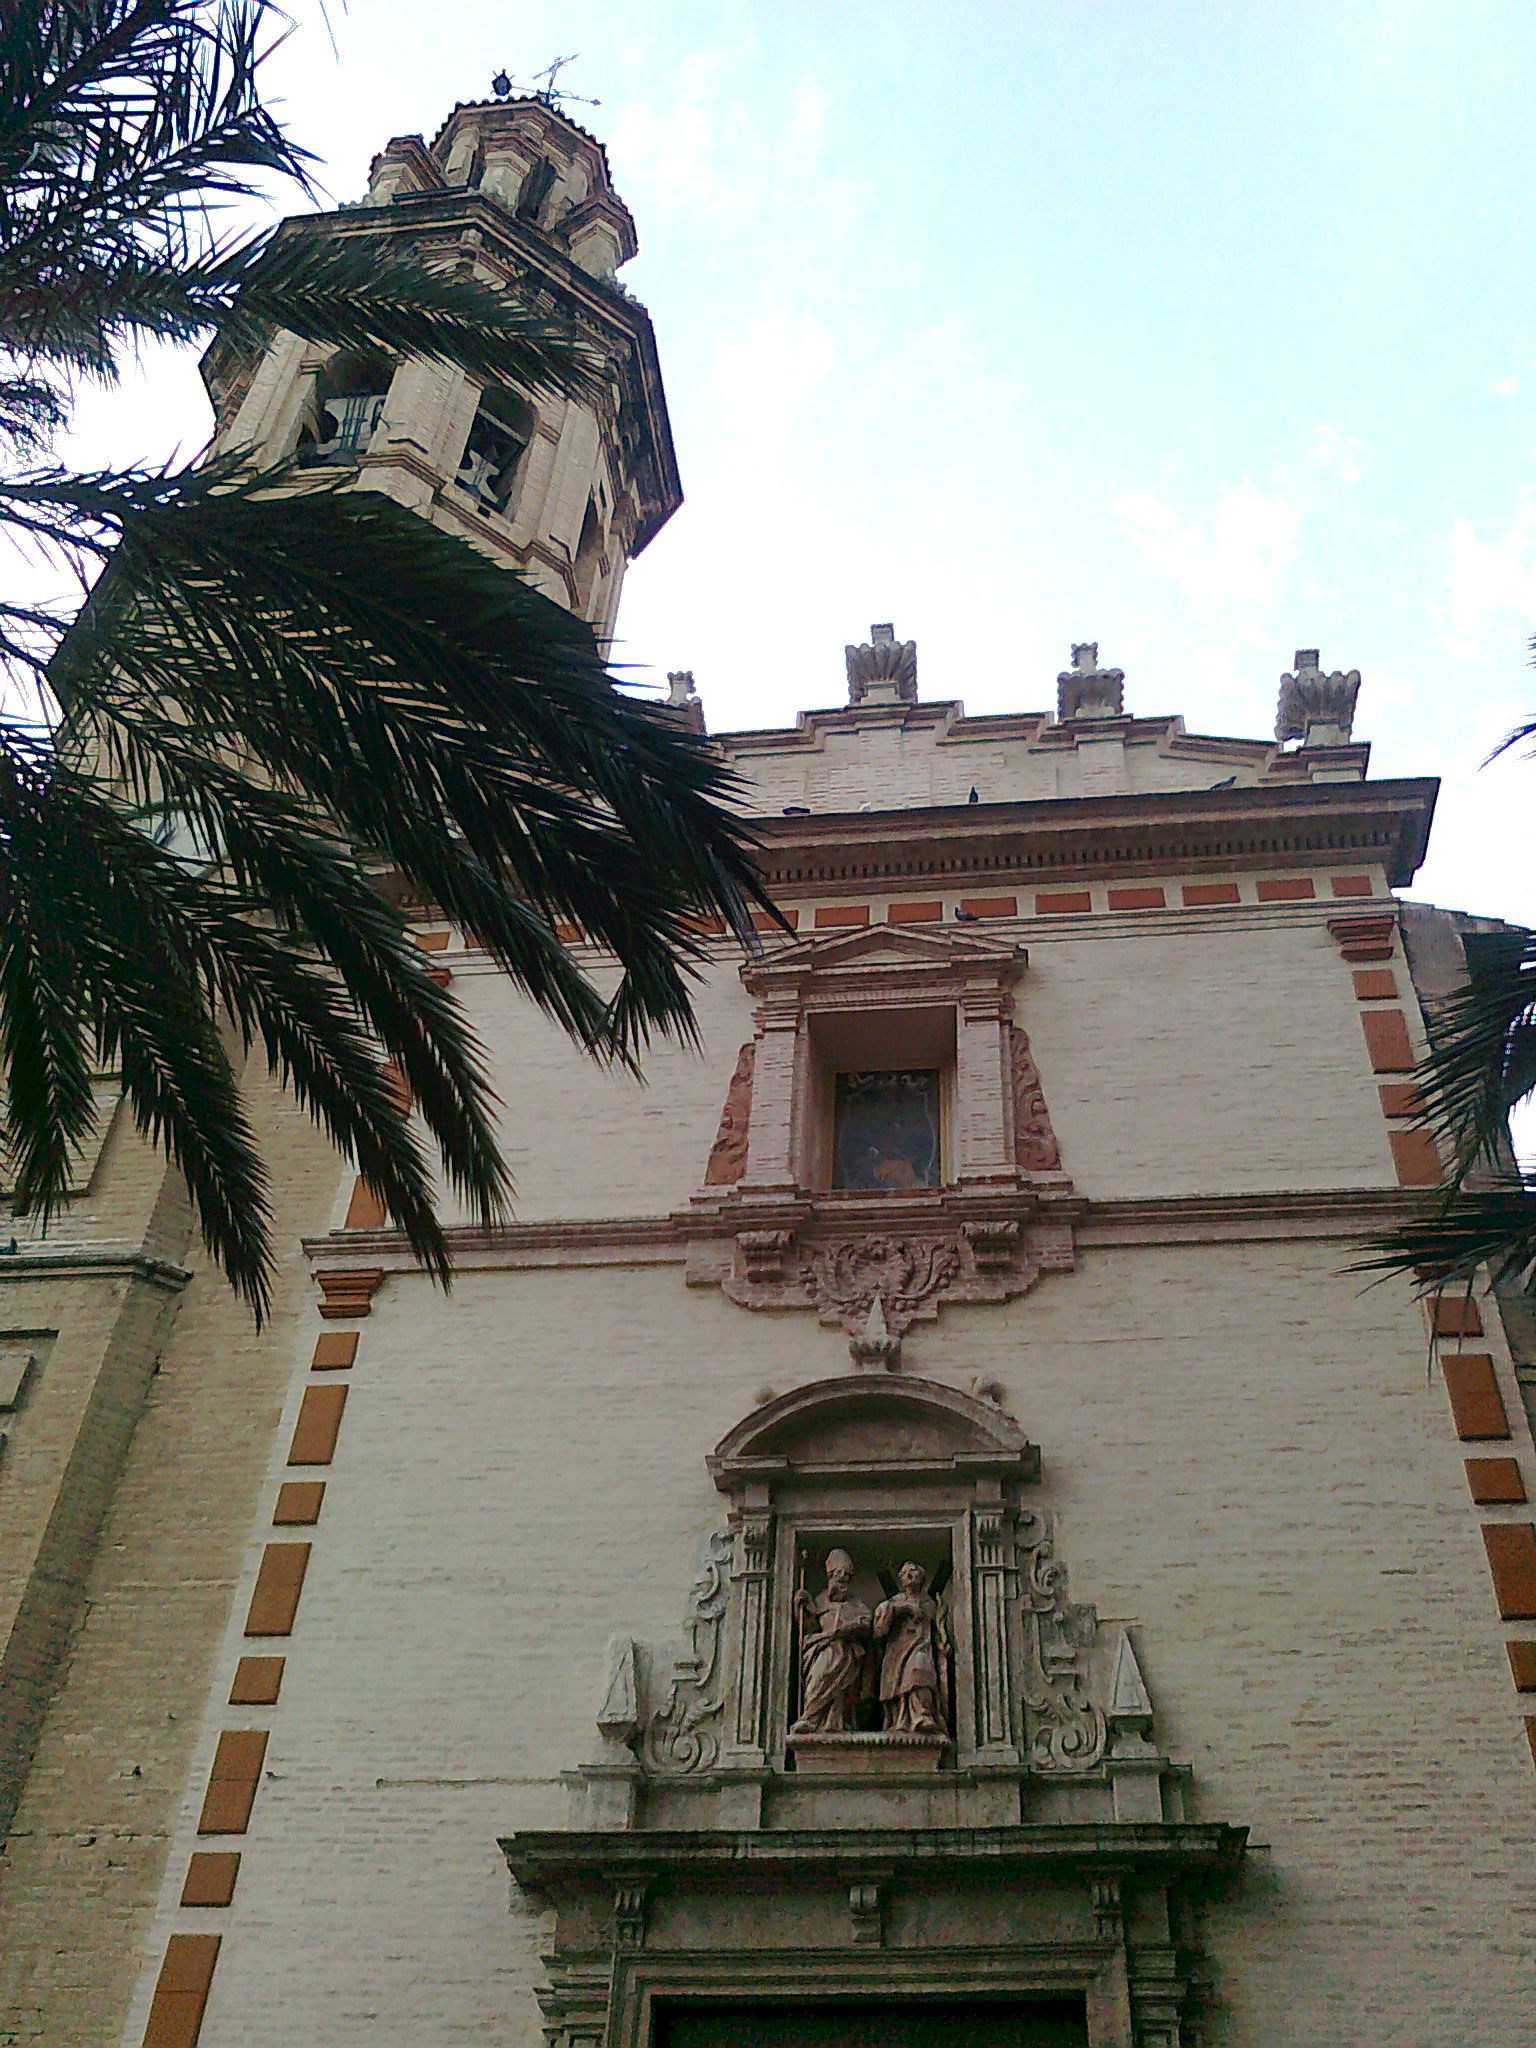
(914, 1533)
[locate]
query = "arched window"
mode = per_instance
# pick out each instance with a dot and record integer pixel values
(347, 406)
(589, 553)
(498, 440)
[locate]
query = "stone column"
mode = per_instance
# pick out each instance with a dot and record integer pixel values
(992, 1662)
(983, 1119)
(753, 1575)
(770, 1137)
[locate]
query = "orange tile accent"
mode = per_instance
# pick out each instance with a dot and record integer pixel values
(1416, 1159)
(1495, 1482)
(567, 934)
(1374, 984)
(765, 923)
(1511, 1548)
(915, 913)
(298, 1502)
(348, 1296)
(1456, 1315)
(1285, 888)
(335, 1351)
(1386, 1040)
(1352, 885)
(399, 1088)
(1200, 895)
(275, 1596)
(366, 1210)
(314, 1434)
(990, 906)
(433, 942)
(1364, 938)
(258, 1681)
(440, 977)
(1530, 1734)
(1477, 1406)
(1522, 1665)
(1138, 899)
(211, 1878)
(710, 927)
(232, 1781)
(831, 916)
(1062, 902)
(1399, 1098)
(181, 1991)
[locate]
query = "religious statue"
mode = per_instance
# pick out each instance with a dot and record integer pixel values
(834, 1647)
(912, 1685)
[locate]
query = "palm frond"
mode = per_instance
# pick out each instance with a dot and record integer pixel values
(1492, 1227)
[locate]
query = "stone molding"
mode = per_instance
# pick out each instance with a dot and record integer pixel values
(1342, 1214)
(1268, 825)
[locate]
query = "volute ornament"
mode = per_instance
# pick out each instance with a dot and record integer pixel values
(680, 1737)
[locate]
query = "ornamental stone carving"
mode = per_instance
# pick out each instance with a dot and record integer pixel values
(681, 1736)
(728, 1154)
(1087, 691)
(883, 670)
(844, 1279)
(1065, 1726)
(1317, 709)
(1034, 1141)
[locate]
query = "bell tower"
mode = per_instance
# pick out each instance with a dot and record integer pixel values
(515, 193)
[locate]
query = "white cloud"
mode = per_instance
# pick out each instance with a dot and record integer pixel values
(1490, 586)
(1338, 454)
(669, 156)
(1239, 561)
(781, 357)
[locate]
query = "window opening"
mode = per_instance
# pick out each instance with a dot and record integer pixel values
(886, 1129)
(350, 392)
(498, 440)
(536, 189)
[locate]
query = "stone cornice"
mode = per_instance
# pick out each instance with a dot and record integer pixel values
(1271, 825)
(105, 1261)
(1342, 1214)
(560, 1864)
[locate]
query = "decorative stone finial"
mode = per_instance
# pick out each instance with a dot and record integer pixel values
(1087, 691)
(1317, 709)
(683, 697)
(883, 670)
(874, 1345)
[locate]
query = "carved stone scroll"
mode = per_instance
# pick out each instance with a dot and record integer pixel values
(728, 1154)
(1065, 1727)
(1034, 1141)
(679, 1737)
(905, 1272)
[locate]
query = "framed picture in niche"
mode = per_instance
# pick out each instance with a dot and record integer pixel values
(885, 1129)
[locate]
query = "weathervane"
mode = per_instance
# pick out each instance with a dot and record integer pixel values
(546, 85)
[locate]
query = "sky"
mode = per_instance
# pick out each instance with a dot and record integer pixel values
(1201, 328)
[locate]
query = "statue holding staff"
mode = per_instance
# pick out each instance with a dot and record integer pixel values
(834, 1645)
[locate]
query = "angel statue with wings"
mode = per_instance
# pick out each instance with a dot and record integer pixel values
(914, 1665)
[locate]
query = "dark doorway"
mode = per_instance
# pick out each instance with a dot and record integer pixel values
(877, 2023)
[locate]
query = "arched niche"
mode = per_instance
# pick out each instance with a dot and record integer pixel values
(884, 1468)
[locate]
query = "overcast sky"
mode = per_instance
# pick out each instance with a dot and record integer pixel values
(1202, 328)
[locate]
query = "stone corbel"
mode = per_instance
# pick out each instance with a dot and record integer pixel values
(866, 1912)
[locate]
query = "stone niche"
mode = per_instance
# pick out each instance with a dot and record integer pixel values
(961, 1797)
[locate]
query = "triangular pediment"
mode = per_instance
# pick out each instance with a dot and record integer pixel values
(891, 947)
